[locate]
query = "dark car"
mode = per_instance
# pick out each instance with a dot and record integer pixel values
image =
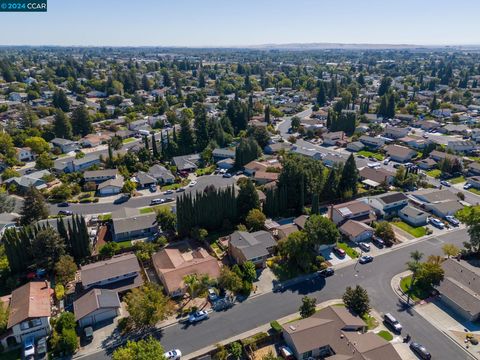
(420, 350)
(227, 175)
(63, 204)
(88, 333)
(377, 241)
(365, 259)
(122, 199)
(326, 272)
(169, 199)
(64, 213)
(180, 189)
(339, 252)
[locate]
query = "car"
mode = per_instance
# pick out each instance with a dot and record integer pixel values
(157, 201)
(425, 136)
(372, 158)
(168, 192)
(437, 223)
(238, 173)
(197, 316)
(377, 241)
(212, 295)
(396, 166)
(88, 333)
(286, 353)
(223, 171)
(420, 350)
(227, 175)
(393, 323)
(339, 252)
(122, 199)
(180, 190)
(365, 259)
(29, 348)
(452, 220)
(29, 171)
(64, 213)
(445, 183)
(192, 183)
(153, 188)
(174, 354)
(326, 272)
(361, 157)
(63, 204)
(169, 199)
(386, 161)
(41, 347)
(467, 186)
(364, 246)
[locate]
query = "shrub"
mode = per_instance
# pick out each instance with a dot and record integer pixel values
(276, 326)
(59, 291)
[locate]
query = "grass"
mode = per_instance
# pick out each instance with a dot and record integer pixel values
(11, 355)
(104, 217)
(385, 335)
(417, 293)
(368, 154)
(125, 244)
(435, 173)
(205, 171)
(372, 323)
(350, 252)
(457, 180)
(475, 191)
(176, 185)
(149, 209)
(414, 231)
(128, 140)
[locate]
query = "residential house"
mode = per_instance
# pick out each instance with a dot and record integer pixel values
(460, 287)
(124, 134)
(355, 146)
(277, 147)
(252, 167)
(172, 265)
(352, 210)
(96, 306)
(311, 153)
(474, 168)
(265, 177)
(426, 164)
(187, 162)
(443, 209)
(413, 216)
(372, 142)
(394, 132)
(459, 129)
(24, 154)
(439, 156)
(161, 174)
(356, 231)
(220, 154)
(65, 145)
(99, 176)
(82, 164)
(138, 124)
(330, 160)
(333, 138)
(111, 187)
(226, 164)
(29, 313)
(35, 179)
(129, 223)
(474, 181)
(415, 142)
(428, 196)
(334, 332)
(255, 247)
(377, 176)
(400, 153)
(144, 180)
(120, 273)
(93, 140)
(461, 146)
(387, 205)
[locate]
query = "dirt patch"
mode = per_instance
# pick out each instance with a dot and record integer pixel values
(259, 354)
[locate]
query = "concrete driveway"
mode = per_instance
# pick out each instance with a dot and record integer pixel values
(332, 258)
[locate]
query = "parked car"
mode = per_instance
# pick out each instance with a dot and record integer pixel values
(29, 348)
(29, 171)
(467, 186)
(377, 241)
(197, 316)
(168, 192)
(437, 223)
(180, 190)
(227, 175)
(364, 246)
(153, 188)
(174, 354)
(122, 199)
(326, 272)
(212, 295)
(420, 350)
(361, 156)
(286, 353)
(64, 213)
(157, 201)
(396, 166)
(445, 183)
(192, 183)
(393, 323)
(365, 259)
(63, 204)
(339, 252)
(169, 199)
(386, 161)
(88, 333)
(41, 348)
(452, 220)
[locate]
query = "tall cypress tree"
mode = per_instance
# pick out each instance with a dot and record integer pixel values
(321, 94)
(154, 147)
(349, 179)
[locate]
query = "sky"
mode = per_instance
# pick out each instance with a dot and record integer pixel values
(199, 23)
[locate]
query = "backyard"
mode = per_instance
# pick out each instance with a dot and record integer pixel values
(414, 231)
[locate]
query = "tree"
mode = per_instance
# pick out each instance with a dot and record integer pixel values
(62, 127)
(236, 350)
(249, 271)
(349, 179)
(297, 250)
(166, 219)
(34, 207)
(3, 317)
(186, 141)
(414, 266)
(143, 349)
(129, 187)
(37, 144)
(450, 250)
(60, 100)
(7, 203)
(321, 94)
(308, 307)
(81, 122)
(147, 305)
(248, 150)
(230, 280)
(267, 114)
(247, 198)
(221, 353)
(65, 269)
(44, 161)
(430, 274)
(196, 286)
(357, 300)
(255, 220)
(384, 231)
(48, 247)
(321, 231)
(384, 86)
(64, 338)
(330, 189)
(471, 217)
(295, 123)
(109, 249)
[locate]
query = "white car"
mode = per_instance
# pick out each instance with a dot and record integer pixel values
(192, 183)
(437, 223)
(174, 354)
(197, 316)
(467, 186)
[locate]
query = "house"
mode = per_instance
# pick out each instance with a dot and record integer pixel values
(120, 273)
(161, 174)
(65, 145)
(220, 154)
(460, 287)
(265, 177)
(474, 168)
(29, 312)
(255, 247)
(334, 332)
(252, 167)
(99, 176)
(330, 160)
(372, 142)
(378, 176)
(352, 210)
(459, 129)
(311, 153)
(394, 132)
(124, 134)
(129, 223)
(356, 231)
(426, 164)
(413, 216)
(427, 196)
(111, 187)
(400, 153)
(355, 146)
(24, 154)
(138, 124)
(332, 138)
(93, 140)
(443, 209)
(388, 205)
(474, 181)
(35, 179)
(415, 142)
(439, 155)
(144, 180)
(187, 162)
(275, 148)
(461, 146)
(172, 265)
(96, 306)
(226, 164)
(82, 164)
(17, 97)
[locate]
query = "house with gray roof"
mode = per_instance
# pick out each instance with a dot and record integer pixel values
(389, 204)
(161, 174)
(223, 153)
(96, 306)
(255, 247)
(187, 162)
(129, 223)
(413, 216)
(144, 180)
(73, 165)
(65, 145)
(24, 182)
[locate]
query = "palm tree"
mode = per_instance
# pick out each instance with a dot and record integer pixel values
(435, 259)
(413, 265)
(196, 286)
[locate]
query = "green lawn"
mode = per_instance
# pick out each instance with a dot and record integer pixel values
(350, 252)
(415, 231)
(205, 171)
(475, 191)
(367, 154)
(128, 140)
(386, 335)
(150, 209)
(435, 173)
(104, 217)
(125, 244)
(417, 294)
(372, 323)
(457, 180)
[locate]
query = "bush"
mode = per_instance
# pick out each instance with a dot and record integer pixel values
(87, 200)
(276, 326)
(59, 292)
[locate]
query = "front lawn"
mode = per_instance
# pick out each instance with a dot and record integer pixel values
(475, 191)
(128, 140)
(457, 180)
(417, 293)
(150, 209)
(205, 171)
(414, 231)
(435, 173)
(350, 252)
(368, 154)
(125, 244)
(372, 323)
(104, 217)
(385, 335)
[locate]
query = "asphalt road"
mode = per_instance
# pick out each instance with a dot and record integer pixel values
(375, 277)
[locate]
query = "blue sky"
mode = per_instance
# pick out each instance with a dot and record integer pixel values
(243, 22)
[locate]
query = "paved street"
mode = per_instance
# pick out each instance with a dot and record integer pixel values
(375, 277)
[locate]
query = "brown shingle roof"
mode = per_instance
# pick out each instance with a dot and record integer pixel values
(31, 300)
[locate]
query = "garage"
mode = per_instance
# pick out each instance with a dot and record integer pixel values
(96, 306)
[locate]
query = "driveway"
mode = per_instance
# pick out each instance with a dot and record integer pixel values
(332, 258)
